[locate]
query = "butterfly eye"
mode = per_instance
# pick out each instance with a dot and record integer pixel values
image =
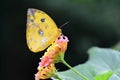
(43, 20)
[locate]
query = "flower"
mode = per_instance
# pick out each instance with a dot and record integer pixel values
(56, 51)
(54, 54)
(62, 43)
(45, 72)
(45, 61)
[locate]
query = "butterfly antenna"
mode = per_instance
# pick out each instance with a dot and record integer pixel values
(64, 24)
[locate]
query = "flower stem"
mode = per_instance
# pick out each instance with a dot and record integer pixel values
(56, 76)
(79, 74)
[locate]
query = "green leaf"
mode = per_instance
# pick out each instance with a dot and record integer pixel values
(100, 60)
(104, 76)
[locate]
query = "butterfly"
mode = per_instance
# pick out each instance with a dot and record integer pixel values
(41, 30)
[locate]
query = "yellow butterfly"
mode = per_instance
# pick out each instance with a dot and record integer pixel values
(41, 30)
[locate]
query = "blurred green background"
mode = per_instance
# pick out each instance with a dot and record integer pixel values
(92, 23)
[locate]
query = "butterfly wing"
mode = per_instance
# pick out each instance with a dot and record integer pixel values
(41, 30)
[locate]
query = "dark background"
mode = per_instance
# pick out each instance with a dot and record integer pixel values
(92, 23)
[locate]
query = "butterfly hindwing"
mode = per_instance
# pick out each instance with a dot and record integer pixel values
(41, 30)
